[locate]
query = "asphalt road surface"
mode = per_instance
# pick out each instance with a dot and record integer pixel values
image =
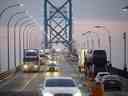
(29, 84)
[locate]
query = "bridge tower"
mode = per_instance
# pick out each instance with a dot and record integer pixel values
(58, 22)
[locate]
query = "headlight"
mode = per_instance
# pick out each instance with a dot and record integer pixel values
(48, 74)
(35, 66)
(50, 61)
(78, 94)
(47, 94)
(54, 62)
(56, 73)
(49, 56)
(25, 66)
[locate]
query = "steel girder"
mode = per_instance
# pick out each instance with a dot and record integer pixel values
(58, 22)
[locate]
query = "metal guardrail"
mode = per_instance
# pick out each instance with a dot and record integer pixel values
(7, 74)
(4, 75)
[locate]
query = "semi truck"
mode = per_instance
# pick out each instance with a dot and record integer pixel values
(31, 60)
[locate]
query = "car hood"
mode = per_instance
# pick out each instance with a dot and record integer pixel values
(55, 90)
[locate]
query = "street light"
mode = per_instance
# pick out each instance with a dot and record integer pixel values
(15, 26)
(125, 8)
(20, 31)
(27, 33)
(84, 34)
(109, 38)
(23, 37)
(8, 34)
(26, 26)
(29, 40)
(8, 7)
(3, 11)
(98, 38)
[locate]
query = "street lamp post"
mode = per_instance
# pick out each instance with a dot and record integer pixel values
(8, 7)
(125, 39)
(20, 40)
(109, 39)
(15, 26)
(1, 14)
(84, 34)
(89, 32)
(8, 35)
(125, 9)
(28, 34)
(26, 26)
(29, 40)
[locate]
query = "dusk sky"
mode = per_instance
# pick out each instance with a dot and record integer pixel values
(86, 15)
(88, 12)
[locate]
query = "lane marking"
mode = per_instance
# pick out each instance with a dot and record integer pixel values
(28, 82)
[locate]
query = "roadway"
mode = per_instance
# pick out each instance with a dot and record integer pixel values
(29, 84)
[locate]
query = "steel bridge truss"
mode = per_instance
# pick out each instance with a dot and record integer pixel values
(58, 22)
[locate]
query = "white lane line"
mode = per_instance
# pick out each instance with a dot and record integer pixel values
(28, 82)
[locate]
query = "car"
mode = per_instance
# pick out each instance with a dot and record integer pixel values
(99, 57)
(112, 82)
(43, 59)
(100, 75)
(60, 86)
(30, 67)
(99, 60)
(31, 61)
(52, 70)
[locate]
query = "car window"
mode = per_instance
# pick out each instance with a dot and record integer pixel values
(31, 54)
(60, 83)
(103, 75)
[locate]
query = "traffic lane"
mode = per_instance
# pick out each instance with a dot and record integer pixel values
(23, 84)
(17, 82)
(35, 83)
(85, 90)
(15, 87)
(71, 69)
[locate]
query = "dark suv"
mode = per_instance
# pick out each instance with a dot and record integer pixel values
(99, 59)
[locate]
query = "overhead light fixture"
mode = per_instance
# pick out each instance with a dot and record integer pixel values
(21, 5)
(125, 8)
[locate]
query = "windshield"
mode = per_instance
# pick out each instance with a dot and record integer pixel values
(103, 74)
(31, 54)
(99, 52)
(60, 83)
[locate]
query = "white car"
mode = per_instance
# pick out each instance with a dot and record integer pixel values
(100, 75)
(60, 86)
(112, 82)
(111, 77)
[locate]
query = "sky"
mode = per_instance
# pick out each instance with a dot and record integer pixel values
(87, 13)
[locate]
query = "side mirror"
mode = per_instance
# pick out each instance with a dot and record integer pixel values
(79, 83)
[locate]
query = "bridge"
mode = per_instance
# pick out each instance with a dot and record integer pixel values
(66, 26)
